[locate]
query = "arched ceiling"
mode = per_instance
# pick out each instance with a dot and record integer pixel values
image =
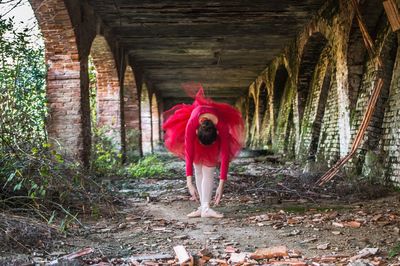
(222, 44)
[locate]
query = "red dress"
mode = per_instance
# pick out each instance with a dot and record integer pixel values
(181, 138)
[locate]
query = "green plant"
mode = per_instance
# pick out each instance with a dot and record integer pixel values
(132, 145)
(34, 176)
(106, 157)
(394, 251)
(149, 166)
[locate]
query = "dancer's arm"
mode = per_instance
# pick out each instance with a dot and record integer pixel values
(224, 153)
(190, 135)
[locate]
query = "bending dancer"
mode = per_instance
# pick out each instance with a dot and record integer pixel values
(206, 134)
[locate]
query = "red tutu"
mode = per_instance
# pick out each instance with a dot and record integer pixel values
(177, 118)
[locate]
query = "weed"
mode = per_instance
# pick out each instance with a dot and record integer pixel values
(149, 166)
(394, 251)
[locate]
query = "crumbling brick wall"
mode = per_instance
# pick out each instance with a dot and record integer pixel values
(327, 91)
(65, 124)
(145, 118)
(69, 29)
(131, 113)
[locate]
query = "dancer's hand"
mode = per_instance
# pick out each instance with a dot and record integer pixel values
(219, 192)
(192, 189)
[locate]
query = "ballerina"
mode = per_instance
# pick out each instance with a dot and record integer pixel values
(205, 134)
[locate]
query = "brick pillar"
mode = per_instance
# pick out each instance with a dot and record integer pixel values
(108, 89)
(132, 114)
(64, 125)
(155, 119)
(145, 117)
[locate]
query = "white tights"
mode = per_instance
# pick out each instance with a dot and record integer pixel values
(204, 182)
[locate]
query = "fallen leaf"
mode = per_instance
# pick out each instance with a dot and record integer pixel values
(353, 224)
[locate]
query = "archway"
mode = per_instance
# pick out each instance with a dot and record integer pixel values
(316, 107)
(108, 90)
(68, 125)
(250, 119)
(145, 121)
(310, 56)
(371, 10)
(155, 120)
(280, 80)
(264, 115)
(131, 115)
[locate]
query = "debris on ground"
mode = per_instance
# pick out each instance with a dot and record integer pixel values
(272, 217)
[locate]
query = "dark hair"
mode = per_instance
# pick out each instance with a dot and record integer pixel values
(207, 132)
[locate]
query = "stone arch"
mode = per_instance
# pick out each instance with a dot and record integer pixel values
(309, 59)
(319, 114)
(155, 120)
(281, 77)
(263, 103)
(131, 114)
(371, 10)
(68, 121)
(108, 89)
(145, 121)
(390, 128)
(374, 139)
(290, 134)
(378, 136)
(388, 56)
(316, 106)
(251, 113)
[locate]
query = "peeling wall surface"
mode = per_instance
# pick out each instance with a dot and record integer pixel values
(330, 80)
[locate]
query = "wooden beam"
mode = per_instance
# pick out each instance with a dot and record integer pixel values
(392, 12)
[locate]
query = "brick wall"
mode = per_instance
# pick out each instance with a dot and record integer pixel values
(131, 114)
(330, 78)
(155, 120)
(145, 117)
(69, 29)
(65, 126)
(108, 89)
(315, 108)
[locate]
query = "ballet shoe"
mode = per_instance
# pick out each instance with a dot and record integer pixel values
(210, 213)
(194, 214)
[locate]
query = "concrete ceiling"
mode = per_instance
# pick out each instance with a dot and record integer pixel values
(222, 44)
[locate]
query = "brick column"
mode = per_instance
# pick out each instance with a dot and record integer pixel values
(132, 114)
(145, 118)
(64, 124)
(155, 119)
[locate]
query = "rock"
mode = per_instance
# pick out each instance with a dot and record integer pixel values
(269, 253)
(360, 263)
(238, 258)
(323, 246)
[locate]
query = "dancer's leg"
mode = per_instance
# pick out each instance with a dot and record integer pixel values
(207, 189)
(198, 172)
(199, 179)
(207, 186)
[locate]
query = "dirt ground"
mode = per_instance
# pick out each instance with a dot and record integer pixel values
(266, 204)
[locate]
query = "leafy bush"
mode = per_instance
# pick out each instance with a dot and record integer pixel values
(149, 166)
(106, 157)
(22, 111)
(132, 145)
(33, 176)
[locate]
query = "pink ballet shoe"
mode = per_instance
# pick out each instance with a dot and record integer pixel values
(194, 214)
(210, 213)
